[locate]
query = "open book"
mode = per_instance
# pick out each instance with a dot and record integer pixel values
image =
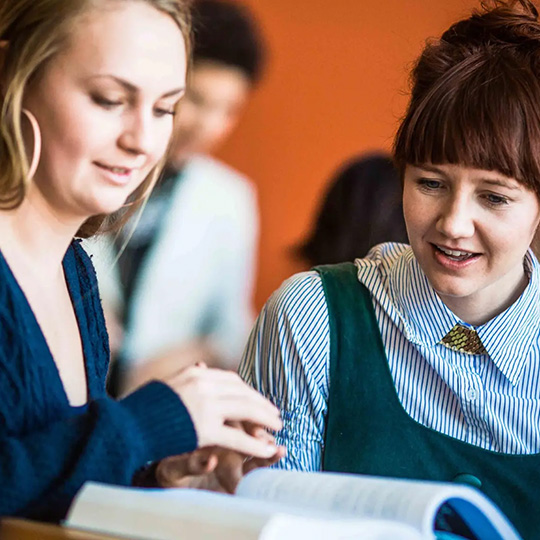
(287, 505)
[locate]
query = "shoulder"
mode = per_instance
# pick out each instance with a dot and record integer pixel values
(79, 268)
(300, 302)
(290, 342)
(383, 257)
(299, 287)
(215, 194)
(382, 262)
(99, 247)
(103, 255)
(79, 248)
(215, 174)
(82, 264)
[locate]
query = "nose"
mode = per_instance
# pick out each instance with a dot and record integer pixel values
(137, 135)
(456, 219)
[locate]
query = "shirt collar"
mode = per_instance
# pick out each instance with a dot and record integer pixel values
(426, 318)
(507, 337)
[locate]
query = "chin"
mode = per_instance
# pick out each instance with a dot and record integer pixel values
(452, 289)
(104, 206)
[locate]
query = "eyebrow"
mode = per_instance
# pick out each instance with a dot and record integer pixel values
(133, 89)
(430, 168)
(492, 181)
(500, 183)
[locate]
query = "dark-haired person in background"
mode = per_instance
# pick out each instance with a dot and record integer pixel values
(423, 361)
(361, 208)
(182, 288)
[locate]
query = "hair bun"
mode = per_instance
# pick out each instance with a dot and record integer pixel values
(500, 22)
(526, 7)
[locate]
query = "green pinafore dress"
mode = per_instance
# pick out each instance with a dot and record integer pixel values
(369, 432)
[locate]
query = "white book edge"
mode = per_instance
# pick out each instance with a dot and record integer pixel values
(266, 497)
(196, 514)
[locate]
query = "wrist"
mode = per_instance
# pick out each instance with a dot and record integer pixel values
(146, 476)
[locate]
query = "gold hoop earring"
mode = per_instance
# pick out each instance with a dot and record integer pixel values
(36, 152)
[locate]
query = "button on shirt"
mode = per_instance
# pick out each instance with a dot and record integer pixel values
(490, 400)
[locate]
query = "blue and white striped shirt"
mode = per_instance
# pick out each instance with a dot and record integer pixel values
(490, 400)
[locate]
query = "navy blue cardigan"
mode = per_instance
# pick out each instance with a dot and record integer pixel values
(48, 449)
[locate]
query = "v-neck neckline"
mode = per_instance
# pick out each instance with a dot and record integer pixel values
(41, 349)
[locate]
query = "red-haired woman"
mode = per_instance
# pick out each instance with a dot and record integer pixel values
(423, 361)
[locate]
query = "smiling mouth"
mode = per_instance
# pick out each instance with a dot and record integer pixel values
(115, 170)
(455, 255)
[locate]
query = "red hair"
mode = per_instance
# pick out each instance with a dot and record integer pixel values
(476, 96)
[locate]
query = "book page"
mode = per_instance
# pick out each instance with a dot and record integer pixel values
(408, 501)
(298, 527)
(164, 514)
(167, 514)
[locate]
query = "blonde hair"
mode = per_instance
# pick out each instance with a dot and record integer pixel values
(32, 32)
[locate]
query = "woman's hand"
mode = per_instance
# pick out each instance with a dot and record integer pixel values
(215, 469)
(217, 401)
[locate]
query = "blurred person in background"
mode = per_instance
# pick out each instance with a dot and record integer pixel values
(361, 208)
(177, 285)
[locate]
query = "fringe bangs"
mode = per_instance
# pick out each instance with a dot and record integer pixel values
(482, 114)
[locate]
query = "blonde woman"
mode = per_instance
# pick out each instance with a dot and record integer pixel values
(89, 89)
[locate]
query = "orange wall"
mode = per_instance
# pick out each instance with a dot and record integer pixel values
(335, 86)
